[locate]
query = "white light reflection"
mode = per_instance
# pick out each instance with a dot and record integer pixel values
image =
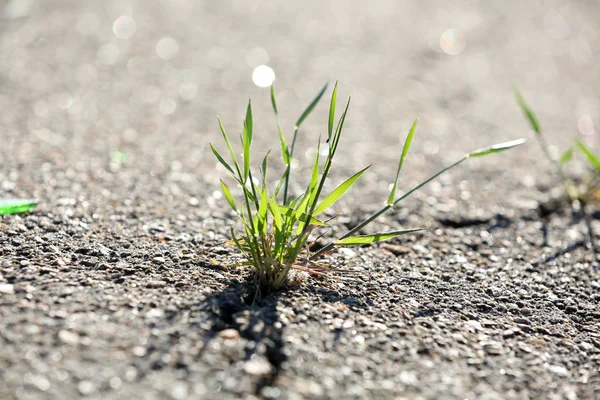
(263, 76)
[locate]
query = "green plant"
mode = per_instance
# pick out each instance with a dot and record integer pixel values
(579, 190)
(274, 233)
(16, 206)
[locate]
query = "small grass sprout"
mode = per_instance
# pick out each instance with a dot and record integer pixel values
(275, 227)
(580, 190)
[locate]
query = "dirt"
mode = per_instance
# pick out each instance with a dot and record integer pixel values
(121, 284)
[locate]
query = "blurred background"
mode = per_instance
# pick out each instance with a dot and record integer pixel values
(86, 85)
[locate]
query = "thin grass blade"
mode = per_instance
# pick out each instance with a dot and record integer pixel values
(310, 107)
(592, 158)
(377, 237)
(338, 192)
(496, 148)
(405, 149)
(276, 213)
(529, 114)
(231, 152)
(247, 140)
(274, 102)
(221, 160)
(17, 206)
(332, 112)
(228, 196)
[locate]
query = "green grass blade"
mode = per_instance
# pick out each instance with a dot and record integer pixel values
(496, 148)
(247, 140)
(17, 206)
(310, 107)
(221, 160)
(285, 153)
(276, 213)
(274, 102)
(231, 152)
(592, 158)
(405, 149)
(377, 237)
(338, 192)
(332, 111)
(291, 213)
(566, 156)
(264, 169)
(228, 196)
(529, 114)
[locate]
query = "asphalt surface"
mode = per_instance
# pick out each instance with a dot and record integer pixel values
(120, 284)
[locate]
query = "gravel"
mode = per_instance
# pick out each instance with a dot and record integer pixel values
(121, 283)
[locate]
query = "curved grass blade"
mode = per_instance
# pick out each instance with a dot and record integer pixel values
(377, 237)
(405, 149)
(332, 112)
(496, 148)
(228, 196)
(247, 140)
(529, 114)
(274, 102)
(592, 158)
(221, 160)
(310, 107)
(231, 152)
(338, 192)
(17, 206)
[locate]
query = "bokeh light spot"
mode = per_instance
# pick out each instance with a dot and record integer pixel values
(453, 42)
(167, 48)
(124, 27)
(586, 125)
(263, 76)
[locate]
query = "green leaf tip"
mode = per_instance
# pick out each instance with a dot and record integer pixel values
(374, 238)
(17, 206)
(405, 149)
(528, 112)
(592, 158)
(496, 148)
(310, 107)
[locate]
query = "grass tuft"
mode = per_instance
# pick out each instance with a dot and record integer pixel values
(275, 228)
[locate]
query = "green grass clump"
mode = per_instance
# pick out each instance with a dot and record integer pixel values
(581, 188)
(276, 226)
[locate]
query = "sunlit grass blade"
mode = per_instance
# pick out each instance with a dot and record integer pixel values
(221, 160)
(496, 148)
(566, 156)
(275, 213)
(377, 237)
(274, 102)
(332, 112)
(228, 196)
(405, 149)
(247, 140)
(310, 107)
(17, 206)
(592, 158)
(529, 114)
(291, 212)
(231, 152)
(338, 192)
(264, 168)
